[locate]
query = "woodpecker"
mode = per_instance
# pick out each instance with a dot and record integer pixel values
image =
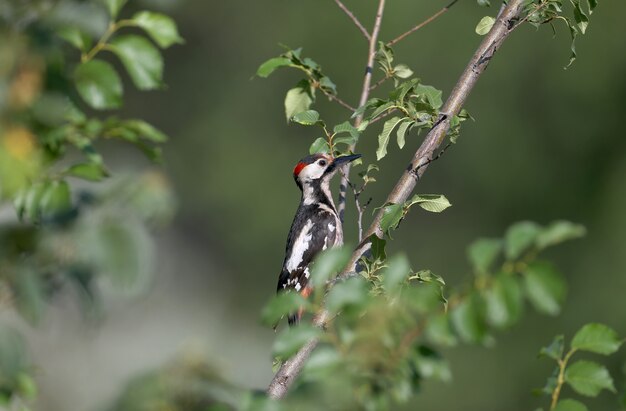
(316, 225)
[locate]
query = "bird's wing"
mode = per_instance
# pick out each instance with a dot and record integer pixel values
(304, 245)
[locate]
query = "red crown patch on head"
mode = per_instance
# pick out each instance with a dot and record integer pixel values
(299, 168)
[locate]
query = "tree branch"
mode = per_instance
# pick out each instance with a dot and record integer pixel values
(422, 24)
(365, 92)
(501, 29)
(353, 18)
(338, 100)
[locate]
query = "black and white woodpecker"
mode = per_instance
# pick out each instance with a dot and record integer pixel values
(316, 225)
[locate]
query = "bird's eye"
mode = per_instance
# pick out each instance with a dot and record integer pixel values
(322, 163)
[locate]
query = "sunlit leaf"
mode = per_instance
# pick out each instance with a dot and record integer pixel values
(306, 118)
(99, 84)
(160, 27)
(298, 99)
(142, 60)
(272, 64)
(383, 137)
(351, 292)
(588, 378)
(597, 338)
(484, 25)
(435, 203)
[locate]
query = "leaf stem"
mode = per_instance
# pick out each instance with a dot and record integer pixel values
(102, 42)
(422, 24)
(561, 378)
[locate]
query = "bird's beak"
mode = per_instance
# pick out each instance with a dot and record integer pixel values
(339, 161)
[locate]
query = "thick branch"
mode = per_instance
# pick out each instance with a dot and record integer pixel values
(365, 92)
(422, 24)
(400, 193)
(353, 18)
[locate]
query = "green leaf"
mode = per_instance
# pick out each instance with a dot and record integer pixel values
(570, 405)
(320, 145)
(114, 7)
(56, 199)
(401, 133)
(483, 252)
(99, 84)
(519, 237)
(160, 27)
(439, 330)
(505, 301)
(142, 60)
(383, 138)
(435, 203)
(592, 5)
(32, 202)
(328, 85)
(290, 340)
(392, 214)
(298, 99)
(281, 305)
(351, 292)
(484, 25)
(555, 349)
(484, 3)
(597, 338)
(145, 130)
(558, 232)
(272, 64)
(402, 71)
(87, 171)
(396, 272)
(75, 37)
(573, 34)
(582, 21)
(378, 248)
(469, 320)
(306, 118)
(588, 378)
(327, 263)
(545, 287)
(430, 93)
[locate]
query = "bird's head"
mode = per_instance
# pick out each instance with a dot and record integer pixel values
(319, 167)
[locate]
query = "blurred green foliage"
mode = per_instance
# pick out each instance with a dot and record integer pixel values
(64, 234)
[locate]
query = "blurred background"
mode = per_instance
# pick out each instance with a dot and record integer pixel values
(546, 144)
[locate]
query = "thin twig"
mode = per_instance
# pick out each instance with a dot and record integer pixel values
(360, 209)
(337, 100)
(365, 92)
(501, 29)
(379, 82)
(422, 24)
(354, 19)
(383, 115)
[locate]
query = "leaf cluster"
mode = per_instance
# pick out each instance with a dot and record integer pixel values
(587, 378)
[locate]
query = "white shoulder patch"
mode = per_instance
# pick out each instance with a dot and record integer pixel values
(300, 246)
